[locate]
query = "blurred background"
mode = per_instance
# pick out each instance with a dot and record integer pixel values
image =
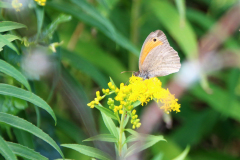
(81, 43)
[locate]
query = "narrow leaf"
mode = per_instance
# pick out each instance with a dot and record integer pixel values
(149, 140)
(89, 151)
(107, 112)
(22, 124)
(5, 5)
(132, 132)
(183, 155)
(8, 43)
(103, 137)
(25, 152)
(10, 38)
(40, 16)
(182, 11)
(6, 151)
(9, 90)
(11, 71)
(8, 25)
(171, 22)
(110, 125)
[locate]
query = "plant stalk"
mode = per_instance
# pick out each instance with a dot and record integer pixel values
(121, 130)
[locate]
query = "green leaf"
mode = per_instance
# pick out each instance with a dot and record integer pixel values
(113, 82)
(110, 125)
(131, 138)
(132, 132)
(182, 11)
(6, 151)
(188, 44)
(50, 29)
(218, 100)
(24, 138)
(22, 124)
(40, 17)
(90, 10)
(8, 25)
(126, 119)
(74, 11)
(149, 140)
(183, 155)
(25, 152)
(135, 104)
(103, 137)
(80, 63)
(10, 38)
(89, 151)
(8, 43)
(9, 90)
(11, 71)
(5, 5)
(106, 111)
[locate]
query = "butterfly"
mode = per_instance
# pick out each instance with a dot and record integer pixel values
(157, 57)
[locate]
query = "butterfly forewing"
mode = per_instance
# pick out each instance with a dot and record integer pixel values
(161, 60)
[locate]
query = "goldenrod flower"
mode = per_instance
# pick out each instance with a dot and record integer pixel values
(16, 5)
(41, 2)
(137, 90)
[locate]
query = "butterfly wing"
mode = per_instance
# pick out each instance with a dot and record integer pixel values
(157, 57)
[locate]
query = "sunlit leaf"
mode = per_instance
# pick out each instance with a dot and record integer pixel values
(182, 11)
(106, 111)
(5, 5)
(10, 38)
(183, 155)
(103, 137)
(9, 90)
(89, 151)
(184, 36)
(8, 43)
(40, 17)
(149, 140)
(110, 125)
(6, 151)
(8, 25)
(22, 124)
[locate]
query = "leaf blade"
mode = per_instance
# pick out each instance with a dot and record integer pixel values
(6, 151)
(11, 71)
(9, 25)
(102, 137)
(22, 124)
(9, 90)
(25, 151)
(89, 151)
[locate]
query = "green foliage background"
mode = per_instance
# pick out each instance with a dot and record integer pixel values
(98, 39)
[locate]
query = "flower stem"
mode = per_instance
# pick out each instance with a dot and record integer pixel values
(121, 130)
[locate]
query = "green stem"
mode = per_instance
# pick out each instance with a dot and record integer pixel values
(121, 130)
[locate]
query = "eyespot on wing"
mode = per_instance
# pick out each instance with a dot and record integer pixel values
(152, 43)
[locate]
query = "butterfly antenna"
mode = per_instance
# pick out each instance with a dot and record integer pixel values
(126, 71)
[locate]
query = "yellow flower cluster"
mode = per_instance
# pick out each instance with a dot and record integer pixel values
(41, 2)
(146, 90)
(16, 5)
(137, 90)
